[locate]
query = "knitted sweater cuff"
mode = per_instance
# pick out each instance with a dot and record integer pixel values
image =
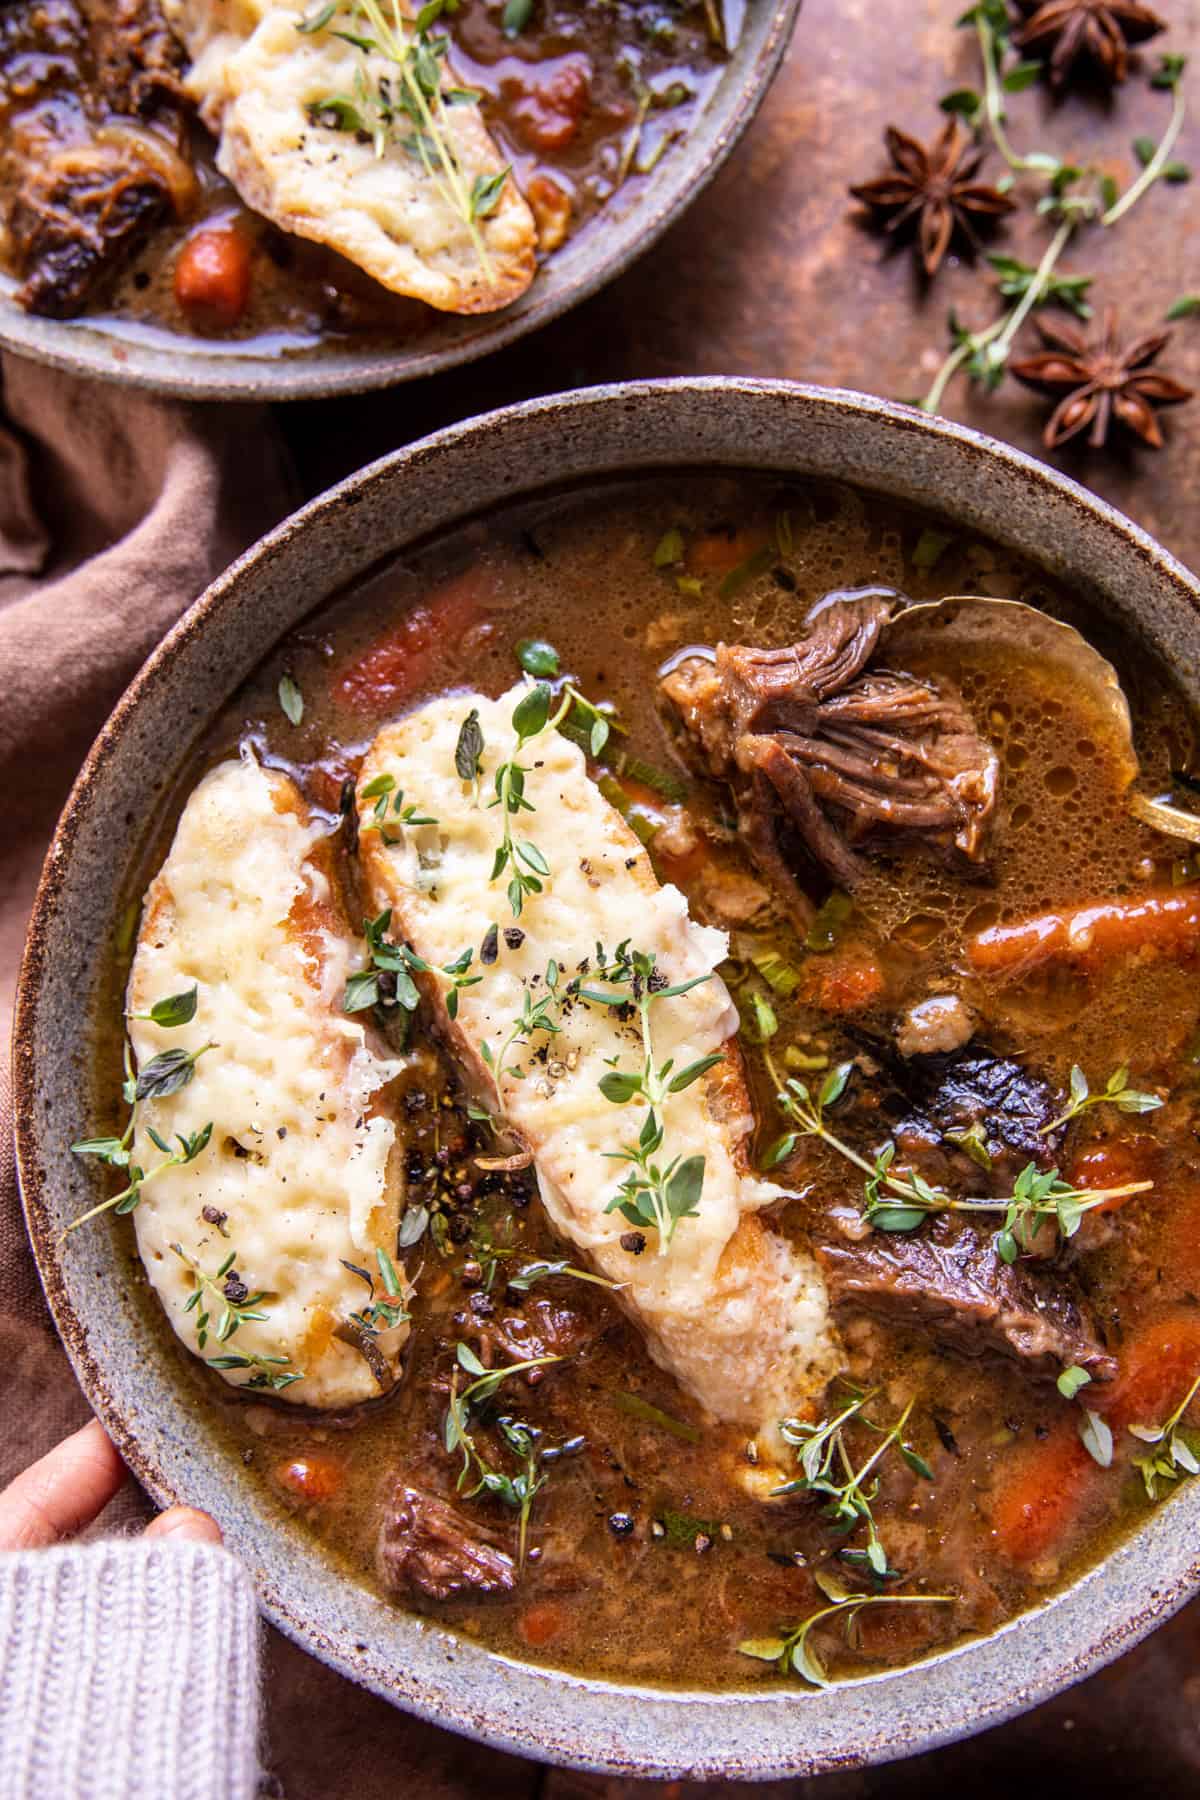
(129, 1671)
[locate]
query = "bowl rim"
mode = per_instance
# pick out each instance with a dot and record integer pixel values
(179, 367)
(565, 1718)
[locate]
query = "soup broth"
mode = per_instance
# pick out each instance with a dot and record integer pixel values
(656, 1546)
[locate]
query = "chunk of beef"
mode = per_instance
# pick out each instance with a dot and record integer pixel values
(76, 220)
(949, 1278)
(545, 1324)
(138, 63)
(83, 204)
(426, 1547)
(818, 748)
(1001, 1101)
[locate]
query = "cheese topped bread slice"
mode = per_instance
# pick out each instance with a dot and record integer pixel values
(346, 146)
(734, 1310)
(298, 1178)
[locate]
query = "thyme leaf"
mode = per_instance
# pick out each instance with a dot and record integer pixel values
(791, 1651)
(901, 1202)
(1116, 1093)
(291, 699)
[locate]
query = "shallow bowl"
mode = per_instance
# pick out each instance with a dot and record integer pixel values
(127, 1362)
(200, 368)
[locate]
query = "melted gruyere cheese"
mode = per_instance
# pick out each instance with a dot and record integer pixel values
(300, 1160)
(734, 1310)
(260, 83)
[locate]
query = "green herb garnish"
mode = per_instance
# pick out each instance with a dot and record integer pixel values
(1173, 1455)
(653, 1195)
(291, 699)
(828, 1471)
(792, 1652)
(1117, 1093)
(902, 1202)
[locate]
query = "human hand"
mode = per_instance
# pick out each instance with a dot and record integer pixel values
(69, 1488)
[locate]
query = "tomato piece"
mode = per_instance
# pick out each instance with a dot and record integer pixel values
(844, 983)
(314, 1479)
(1041, 1493)
(399, 664)
(552, 103)
(539, 1625)
(212, 277)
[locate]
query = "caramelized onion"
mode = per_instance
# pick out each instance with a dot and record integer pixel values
(156, 153)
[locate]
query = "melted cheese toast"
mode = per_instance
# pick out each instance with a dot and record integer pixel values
(299, 1176)
(737, 1313)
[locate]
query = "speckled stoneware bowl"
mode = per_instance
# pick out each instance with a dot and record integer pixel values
(200, 368)
(125, 1357)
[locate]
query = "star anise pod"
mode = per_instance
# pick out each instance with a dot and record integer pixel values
(1099, 30)
(1100, 381)
(934, 188)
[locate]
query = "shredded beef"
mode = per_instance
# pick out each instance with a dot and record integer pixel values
(822, 751)
(76, 220)
(426, 1547)
(82, 206)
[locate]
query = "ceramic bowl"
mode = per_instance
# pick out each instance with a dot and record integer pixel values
(127, 1360)
(198, 368)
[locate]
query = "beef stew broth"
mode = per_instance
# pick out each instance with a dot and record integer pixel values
(578, 104)
(648, 1559)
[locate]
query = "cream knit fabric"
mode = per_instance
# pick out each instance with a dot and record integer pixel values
(128, 1671)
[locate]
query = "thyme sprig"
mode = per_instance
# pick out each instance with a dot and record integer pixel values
(1172, 1454)
(652, 1195)
(387, 980)
(382, 789)
(523, 1279)
(517, 1491)
(237, 1307)
(543, 1014)
(162, 1076)
(792, 1652)
(381, 1314)
(591, 730)
(525, 863)
(408, 107)
(827, 1470)
(902, 1201)
(1117, 1092)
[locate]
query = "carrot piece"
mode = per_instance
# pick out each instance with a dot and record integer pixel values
(1040, 1495)
(1114, 1164)
(1166, 923)
(539, 1625)
(722, 551)
(313, 1478)
(1158, 1366)
(1179, 1232)
(212, 277)
(402, 662)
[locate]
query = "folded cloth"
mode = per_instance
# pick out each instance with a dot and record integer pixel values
(129, 1672)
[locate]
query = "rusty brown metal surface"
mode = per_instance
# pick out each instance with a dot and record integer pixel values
(772, 273)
